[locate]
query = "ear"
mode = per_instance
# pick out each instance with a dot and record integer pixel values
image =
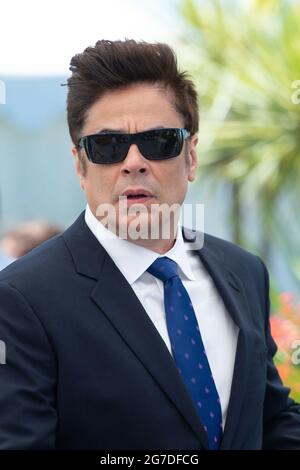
(192, 158)
(78, 167)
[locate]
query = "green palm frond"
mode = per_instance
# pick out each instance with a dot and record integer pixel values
(246, 63)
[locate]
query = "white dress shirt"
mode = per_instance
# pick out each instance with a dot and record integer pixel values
(218, 331)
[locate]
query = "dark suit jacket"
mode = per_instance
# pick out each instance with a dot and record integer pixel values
(87, 369)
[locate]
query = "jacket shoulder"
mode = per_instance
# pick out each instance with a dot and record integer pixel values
(229, 249)
(43, 261)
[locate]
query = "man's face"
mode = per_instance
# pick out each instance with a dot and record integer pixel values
(136, 108)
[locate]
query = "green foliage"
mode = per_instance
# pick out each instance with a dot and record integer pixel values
(246, 63)
(285, 328)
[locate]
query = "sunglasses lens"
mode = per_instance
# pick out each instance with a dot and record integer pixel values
(160, 144)
(107, 148)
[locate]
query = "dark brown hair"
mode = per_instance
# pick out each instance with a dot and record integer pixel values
(110, 65)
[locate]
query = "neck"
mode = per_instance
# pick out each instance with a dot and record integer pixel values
(159, 237)
(160, 246)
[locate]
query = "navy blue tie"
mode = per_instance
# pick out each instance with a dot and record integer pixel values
(188, 349)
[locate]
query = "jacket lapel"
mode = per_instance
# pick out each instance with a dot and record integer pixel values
(127, 315)
(117, 300)
(232, 292)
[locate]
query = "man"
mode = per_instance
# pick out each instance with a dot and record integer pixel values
(137, 342)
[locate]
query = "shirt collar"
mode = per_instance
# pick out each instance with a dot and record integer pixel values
(121, 250)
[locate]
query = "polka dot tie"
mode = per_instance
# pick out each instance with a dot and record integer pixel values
(188, 349)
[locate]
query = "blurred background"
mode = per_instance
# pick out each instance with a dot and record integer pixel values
(244, 57)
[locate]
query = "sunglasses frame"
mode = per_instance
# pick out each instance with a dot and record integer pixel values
(84, 143)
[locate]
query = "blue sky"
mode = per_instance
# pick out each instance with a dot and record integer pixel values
(39, 37)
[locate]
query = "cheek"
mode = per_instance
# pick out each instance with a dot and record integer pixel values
(97, 185)
(176, 181)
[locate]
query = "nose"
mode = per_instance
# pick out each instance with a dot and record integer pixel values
(134, 161)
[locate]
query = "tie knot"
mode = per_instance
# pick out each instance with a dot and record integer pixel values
(163, 268)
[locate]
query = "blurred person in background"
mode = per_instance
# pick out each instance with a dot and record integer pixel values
(25, 236)
(138, 343)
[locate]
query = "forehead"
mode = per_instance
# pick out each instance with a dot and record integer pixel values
(132, 109)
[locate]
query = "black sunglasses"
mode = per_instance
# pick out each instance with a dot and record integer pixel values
(112, 147)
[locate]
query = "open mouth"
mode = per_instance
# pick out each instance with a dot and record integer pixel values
(138, 199)
(136, 196)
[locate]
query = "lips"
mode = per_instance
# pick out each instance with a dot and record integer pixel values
(137, 195)
(136, 192)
